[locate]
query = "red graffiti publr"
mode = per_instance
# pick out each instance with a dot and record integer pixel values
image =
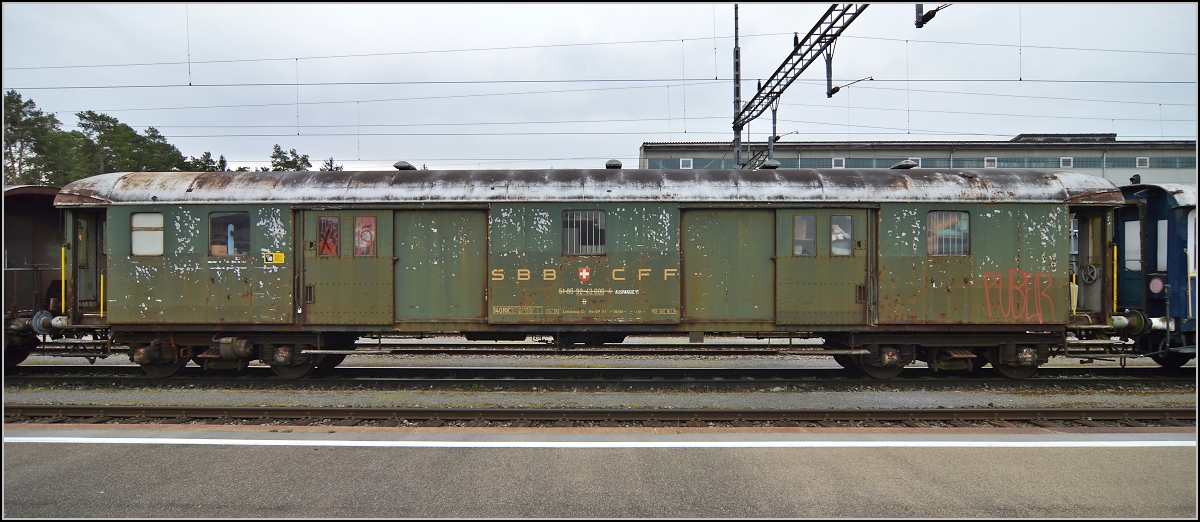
(1018, 296)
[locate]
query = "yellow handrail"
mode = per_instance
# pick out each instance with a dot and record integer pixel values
(1114, 285)
(62, 282)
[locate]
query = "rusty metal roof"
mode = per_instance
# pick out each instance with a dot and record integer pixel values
(1179, 194)
(487, 186)
(28, 190)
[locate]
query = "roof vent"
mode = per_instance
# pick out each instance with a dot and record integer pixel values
(612, 164)
(769, 164)
(905, 164)
(403, 165)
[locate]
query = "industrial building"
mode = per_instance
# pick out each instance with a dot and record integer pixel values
(1155, 161)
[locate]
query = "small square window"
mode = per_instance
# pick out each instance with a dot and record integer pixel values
(583, 233)
(1066, 163)
(685, 163)
(1143, 162)
(949, 233)
(839, 163)
(989, 163)
(229, 233)
(146, 234)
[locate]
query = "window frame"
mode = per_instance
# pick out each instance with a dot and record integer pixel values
(334, 235)
(366, 238)
(212, 250)
(848, 231)
(934, 246)
(811, 239)
(574, 244)
(136, 231)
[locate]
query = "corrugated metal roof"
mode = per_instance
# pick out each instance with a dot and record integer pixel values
(486, 186)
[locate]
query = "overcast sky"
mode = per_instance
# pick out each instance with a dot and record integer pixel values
(464, 86)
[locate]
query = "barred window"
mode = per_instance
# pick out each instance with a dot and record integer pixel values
(583, 233)
(949, 233)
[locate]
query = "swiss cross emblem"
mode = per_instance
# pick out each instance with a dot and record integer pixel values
(585, 273)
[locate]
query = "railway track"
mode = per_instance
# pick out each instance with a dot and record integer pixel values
(804, 347)
(699, 379)
(568, 417)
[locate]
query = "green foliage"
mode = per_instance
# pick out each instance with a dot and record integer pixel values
(289, 161)
(26, 131)
(205, 163)
(116, 147)
(328, 165)
(37, 151)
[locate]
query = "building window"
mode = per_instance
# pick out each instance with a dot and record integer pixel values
(949, 233)
(146, 234)
(685, 163)
(1143, 162)
(329, 236)
(989, 163)
(229, 233)
(839, 163)
(364, 236)
(917, 161)
(804, 236)
(583, 233)
(1066, 163)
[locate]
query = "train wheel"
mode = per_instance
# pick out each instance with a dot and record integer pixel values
(846, 361)
(14, 355)
(1015, 372)
(882, 373)
(17, 348)
(1169, 360)
(293, 371)
(329, 362)
(162, 370)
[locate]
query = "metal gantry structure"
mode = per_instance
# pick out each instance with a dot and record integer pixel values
(836, 19)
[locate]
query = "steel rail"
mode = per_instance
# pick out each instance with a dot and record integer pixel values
(61, 413)
(693, 379)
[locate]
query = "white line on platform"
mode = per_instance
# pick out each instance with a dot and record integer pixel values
(601, 444)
